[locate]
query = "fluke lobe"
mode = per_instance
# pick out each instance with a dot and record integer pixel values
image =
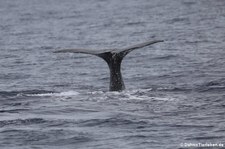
(113, 58)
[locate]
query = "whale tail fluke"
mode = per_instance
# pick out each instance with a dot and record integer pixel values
(122, 51)
(114, 58)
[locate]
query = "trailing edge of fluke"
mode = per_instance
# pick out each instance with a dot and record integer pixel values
(113, 58)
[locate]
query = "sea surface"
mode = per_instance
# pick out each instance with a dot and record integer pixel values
(175, 90)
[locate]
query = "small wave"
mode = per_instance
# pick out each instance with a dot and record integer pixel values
(191, 126)
(13, 110)
(21, 122)
(112, 122)
(78, 138)
(165, 57)
(214, 85)
(178, 20)
(135, 23)
(56, 138)
(173, 89)
(205, 138)
(189, 3)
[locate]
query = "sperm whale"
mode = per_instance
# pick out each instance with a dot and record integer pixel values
(113, 57)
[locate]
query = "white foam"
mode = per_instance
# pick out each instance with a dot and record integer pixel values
(62, 94)
(100, 95)
(140, 94)
(163, 98)
(134, 97)
(144, 97)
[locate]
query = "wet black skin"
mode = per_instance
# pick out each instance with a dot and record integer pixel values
(113, 58)
(114, 61)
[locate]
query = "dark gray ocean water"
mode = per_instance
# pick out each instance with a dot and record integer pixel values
(175, 90)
